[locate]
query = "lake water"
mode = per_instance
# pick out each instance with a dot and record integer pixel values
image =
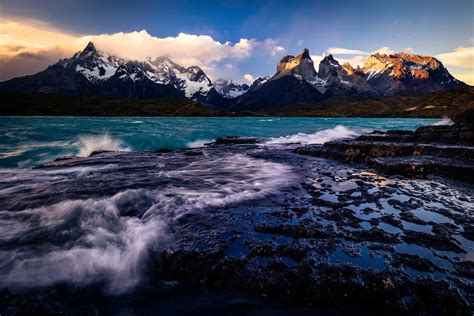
(29, 141)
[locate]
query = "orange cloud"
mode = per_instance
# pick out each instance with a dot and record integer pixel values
(29, 46)
(249, 78)
(18, 37)
(467, 77)
(461, 57)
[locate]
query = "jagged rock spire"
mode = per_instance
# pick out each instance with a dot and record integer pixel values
(305, 54)
(90, 48)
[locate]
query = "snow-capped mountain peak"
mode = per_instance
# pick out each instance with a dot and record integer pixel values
(98, 66)
(89, 50)
(95, 65)
(192, 81)
(229, 89)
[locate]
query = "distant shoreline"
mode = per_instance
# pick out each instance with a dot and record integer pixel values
(433, 105)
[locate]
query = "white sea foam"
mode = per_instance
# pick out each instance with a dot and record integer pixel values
(137, 122)
(443, 122)
(86, 145)
(108, 239)
(337, 133)
(199, 143)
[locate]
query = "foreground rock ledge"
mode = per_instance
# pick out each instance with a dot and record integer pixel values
(444, 150)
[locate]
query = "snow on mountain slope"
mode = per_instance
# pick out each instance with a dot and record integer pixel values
(258, 82)
(229, 89)
(93, 64)
(98, 66)
(191, 81)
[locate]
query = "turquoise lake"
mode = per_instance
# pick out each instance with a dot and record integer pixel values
(29, 141)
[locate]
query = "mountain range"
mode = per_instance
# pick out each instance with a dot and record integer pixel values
(296, 81)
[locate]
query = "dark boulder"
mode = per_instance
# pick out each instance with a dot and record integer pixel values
(234, 140)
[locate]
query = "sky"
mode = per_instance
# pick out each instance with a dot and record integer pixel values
(241, 40)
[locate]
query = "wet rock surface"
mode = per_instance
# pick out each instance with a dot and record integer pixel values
(444, 150)
(236, 140)
(336, 238)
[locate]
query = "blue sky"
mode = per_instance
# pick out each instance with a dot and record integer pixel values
(425, 27)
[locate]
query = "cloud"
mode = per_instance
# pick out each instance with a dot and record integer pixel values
(26, 48)
(348, 51)
(345, 51)
(200, 49)
(18, 37)
(461, 57)
(409, 50)
(355, 61)
(384, 51)
(273, 46)
(300, 42)
(317, 59)
(30, 46)
(277, 50)
(249, 78)
(465, 77)
(358, 57)
(26, 63)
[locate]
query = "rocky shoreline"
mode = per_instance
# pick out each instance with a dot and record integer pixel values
(346, 235)
(444, 150)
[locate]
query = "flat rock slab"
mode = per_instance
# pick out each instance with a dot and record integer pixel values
(362, 151)
(421, 166)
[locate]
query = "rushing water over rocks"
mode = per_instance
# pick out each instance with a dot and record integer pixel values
(96, 219)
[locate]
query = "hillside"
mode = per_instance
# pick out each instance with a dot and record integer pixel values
(45, 104)
(436, 104)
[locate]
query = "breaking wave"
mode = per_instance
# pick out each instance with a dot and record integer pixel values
(199, 143)
(81, 240)
(88, 144)
(337, 133)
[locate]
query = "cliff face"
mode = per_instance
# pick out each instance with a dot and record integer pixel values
(402, 73)
(297, 81)
(342, 79)
(299, 66)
